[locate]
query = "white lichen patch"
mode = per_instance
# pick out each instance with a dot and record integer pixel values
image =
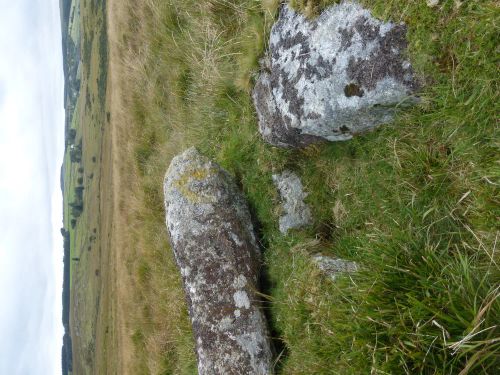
(185, 271)
(240, 282)
(297, 213)
(241, 299)
(251, 342)
(235, 238)
(226, 323)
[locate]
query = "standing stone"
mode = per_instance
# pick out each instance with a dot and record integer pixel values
(297, 213)
(216, 250)
(332, 77)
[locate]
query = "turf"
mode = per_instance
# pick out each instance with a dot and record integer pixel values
(415, 203)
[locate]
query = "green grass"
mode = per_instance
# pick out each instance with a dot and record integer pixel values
(74, 27)
(415, 203)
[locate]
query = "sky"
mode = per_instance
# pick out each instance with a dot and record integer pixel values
(31, 151)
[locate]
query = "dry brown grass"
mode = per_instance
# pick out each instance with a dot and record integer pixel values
(149, 302)
(153, 330)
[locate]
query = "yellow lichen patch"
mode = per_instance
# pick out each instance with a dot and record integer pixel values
(184, 184)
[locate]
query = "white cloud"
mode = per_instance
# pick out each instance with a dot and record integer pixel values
(2, 94)
(31, 148)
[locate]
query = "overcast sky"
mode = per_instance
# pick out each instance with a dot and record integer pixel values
(31, 150)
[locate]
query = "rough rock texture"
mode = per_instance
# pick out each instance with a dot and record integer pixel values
(334, 266)
(332, 77)
(216, 250)
(296, 213)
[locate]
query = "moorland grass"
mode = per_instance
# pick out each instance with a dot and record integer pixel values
(415, 203)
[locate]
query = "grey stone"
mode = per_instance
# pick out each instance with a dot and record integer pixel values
(329, 78)
(297, 213)
(334, 266)
(216, 250)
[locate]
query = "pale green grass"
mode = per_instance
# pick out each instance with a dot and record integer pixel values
(74, 27)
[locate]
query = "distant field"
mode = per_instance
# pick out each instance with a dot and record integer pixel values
(87, 21)
(74, 21)
(415, 203)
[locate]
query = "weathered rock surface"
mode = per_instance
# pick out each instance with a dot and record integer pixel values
(332, 77)
(334, 266)
(297, 213)
(216, 250)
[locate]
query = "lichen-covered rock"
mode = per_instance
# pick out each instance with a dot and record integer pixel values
(332, 77)
(334, 266)
(297, 213)
(216, 250)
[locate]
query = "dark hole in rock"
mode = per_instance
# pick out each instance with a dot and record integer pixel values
(353, 90)
(344, 129)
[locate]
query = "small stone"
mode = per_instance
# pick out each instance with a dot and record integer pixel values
(334, 266)
(330, 78)
(216, 251)
(432, 3)
(297, 213)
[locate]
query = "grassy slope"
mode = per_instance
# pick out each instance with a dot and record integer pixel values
(415, 202)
